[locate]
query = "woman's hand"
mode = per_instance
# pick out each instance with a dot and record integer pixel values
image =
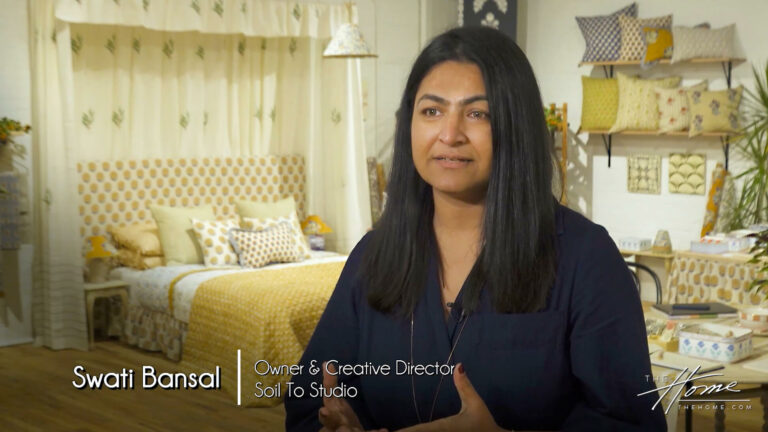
(473, 416)
(337, 415)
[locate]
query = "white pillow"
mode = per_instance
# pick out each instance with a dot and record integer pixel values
(699, 42)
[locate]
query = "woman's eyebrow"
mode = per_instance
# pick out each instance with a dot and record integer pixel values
(443, 101)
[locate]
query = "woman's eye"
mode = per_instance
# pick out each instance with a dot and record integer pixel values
(430, 112)
(478, 115)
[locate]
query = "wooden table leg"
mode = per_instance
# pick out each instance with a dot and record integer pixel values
(123, 312)
(89, 301)
(720, 419)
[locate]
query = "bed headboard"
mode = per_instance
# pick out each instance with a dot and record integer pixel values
(117, 193)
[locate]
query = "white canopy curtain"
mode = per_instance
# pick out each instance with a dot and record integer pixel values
(151, 78)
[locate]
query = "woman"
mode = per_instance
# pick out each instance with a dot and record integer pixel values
(474, 264)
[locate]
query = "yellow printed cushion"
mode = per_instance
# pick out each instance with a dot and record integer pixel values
(264, 210)
(259, 248)
(213, 239)
(176, 234)
(292, 219)
(600, 100)
(632, 37)
(658, 44)
(638, 109)
(140, 237)
(674, 112)
(714, 111)
(133, 259)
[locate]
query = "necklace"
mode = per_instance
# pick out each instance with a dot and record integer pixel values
(464, 318)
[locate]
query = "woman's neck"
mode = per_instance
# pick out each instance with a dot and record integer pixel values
(456, 216)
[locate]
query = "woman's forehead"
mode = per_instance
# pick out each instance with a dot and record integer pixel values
(453, 79)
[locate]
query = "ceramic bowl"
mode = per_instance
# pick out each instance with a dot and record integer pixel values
(755, 318)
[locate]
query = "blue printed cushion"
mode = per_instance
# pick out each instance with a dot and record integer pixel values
(603, 34)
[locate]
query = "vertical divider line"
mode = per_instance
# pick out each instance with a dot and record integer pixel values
(239, 393)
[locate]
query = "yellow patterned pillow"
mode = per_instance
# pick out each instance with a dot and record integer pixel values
(638, 109)
(214, 240)
(632, 37)
(674, 112)
(600, 100)
(140, 237)
(293, 220)
(176, 234)
(259, 248)
(714, 111)
(658, 44)
(133, 259)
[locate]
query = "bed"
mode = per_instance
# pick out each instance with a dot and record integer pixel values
(201, 316)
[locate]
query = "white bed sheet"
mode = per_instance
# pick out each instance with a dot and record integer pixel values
(149, 288)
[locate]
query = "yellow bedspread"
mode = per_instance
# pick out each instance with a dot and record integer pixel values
(268, 315)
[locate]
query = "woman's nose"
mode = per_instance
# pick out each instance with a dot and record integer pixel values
(452, 131)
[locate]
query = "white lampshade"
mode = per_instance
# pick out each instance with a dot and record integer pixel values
(348, 42)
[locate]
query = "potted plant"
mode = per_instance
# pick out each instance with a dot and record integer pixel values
(752, 204)
(10, 128)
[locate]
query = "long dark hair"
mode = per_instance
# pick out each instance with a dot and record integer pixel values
(517, 262)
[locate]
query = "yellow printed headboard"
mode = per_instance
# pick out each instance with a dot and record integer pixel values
(118, 193)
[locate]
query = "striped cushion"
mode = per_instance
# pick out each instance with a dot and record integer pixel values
(603, 34)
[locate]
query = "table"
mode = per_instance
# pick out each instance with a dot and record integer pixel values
(106, 289)
(731, 372)
(649, 253)
(697, 277)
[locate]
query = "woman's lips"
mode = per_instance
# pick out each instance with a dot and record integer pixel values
(447, 162)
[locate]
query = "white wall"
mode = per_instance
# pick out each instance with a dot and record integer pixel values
(396, 30)
(554, 45)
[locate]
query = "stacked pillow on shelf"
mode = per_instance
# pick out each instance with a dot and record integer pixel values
(636, 104)
(264, 233)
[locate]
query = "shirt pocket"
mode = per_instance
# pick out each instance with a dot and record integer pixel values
(515, 331)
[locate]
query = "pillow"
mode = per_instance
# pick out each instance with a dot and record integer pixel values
(141, 237)
(659, 44)
(213, 239)
(637, 102)
(264, 210)
(714, 111)
(632, 34)
(714, 199)
(702, 42)
(673, 107)
(599, 103)
(133, 259)
(176, 234)
(259, 248)
(293, 220)
(603, 35)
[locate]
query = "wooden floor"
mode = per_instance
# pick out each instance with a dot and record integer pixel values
(36, 394)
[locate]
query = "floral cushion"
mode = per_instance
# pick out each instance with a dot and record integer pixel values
(674, 112)
(714, 111)
(638, 109)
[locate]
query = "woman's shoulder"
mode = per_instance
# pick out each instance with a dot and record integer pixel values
(577, 234)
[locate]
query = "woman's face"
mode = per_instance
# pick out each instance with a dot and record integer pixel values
(451, 131)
